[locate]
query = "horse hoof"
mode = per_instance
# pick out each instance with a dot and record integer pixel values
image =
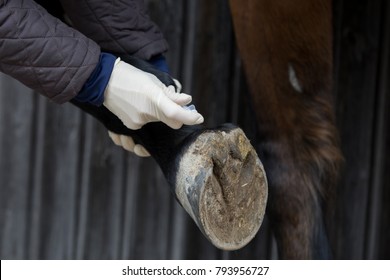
(221, 183)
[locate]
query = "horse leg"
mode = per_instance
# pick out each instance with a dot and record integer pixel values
(214, 173)
(286, 48)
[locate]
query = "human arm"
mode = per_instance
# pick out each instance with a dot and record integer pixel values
(42, 52)
(57, 61)
(123, 28)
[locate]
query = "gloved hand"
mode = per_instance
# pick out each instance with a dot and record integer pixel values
(137, 97)
(127, 143)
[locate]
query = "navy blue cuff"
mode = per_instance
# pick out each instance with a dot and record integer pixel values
(93, 90)
(160, 63)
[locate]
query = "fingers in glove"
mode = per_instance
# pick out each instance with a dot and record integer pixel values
(127, 143)
(140, 151)
(115, 138)
(175, 116)
(177, 97)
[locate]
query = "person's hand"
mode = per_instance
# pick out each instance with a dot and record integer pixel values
(127, 143)
(137, 97)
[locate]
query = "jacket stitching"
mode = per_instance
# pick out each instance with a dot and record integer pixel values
(104, 26)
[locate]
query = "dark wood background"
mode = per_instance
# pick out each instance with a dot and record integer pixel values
(67, 192)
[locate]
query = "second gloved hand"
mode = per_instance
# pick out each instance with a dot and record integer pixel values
(127, 143)
(137, 97)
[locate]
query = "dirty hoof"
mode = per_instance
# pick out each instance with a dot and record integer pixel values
(222, 185)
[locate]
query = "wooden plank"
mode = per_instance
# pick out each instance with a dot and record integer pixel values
(59, 184)
(356, 83)
(16, 113)
(37, 154)
(152, 227)
(104, 191)
(383, 242)
(379, 196)
(83, 177)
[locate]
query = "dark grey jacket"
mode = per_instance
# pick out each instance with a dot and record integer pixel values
(54, 59)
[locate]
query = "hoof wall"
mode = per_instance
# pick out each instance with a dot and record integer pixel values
(222, 185)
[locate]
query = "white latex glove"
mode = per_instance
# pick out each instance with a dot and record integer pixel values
(127, 143)
(137, 97)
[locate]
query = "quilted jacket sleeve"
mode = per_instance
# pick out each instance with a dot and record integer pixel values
(118, 26)
(42, 52)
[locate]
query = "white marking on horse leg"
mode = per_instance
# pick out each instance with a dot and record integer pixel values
(293, 78)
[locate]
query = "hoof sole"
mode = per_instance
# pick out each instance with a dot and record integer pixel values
(222, 185)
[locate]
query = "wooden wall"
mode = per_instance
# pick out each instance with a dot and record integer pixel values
(362, 87)
(67, 192)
